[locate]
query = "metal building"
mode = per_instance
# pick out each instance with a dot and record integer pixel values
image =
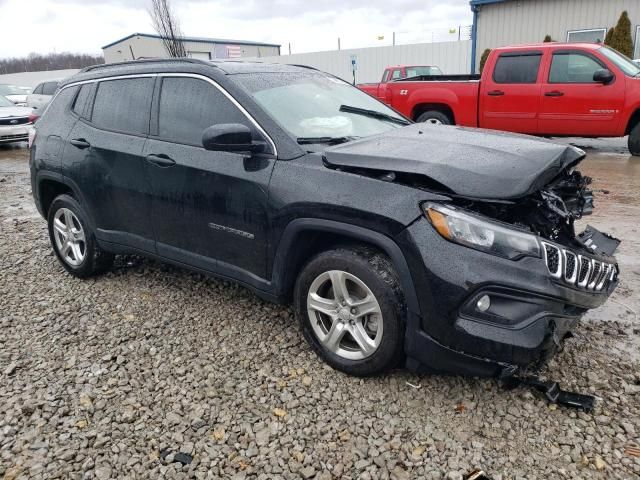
(144, 45)
(498, 23)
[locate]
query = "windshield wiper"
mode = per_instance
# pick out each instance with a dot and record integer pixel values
(373, 114)
(329, 140)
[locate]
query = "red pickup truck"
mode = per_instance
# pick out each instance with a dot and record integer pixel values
(551, 89)
(399, 72)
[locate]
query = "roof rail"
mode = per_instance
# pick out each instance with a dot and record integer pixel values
(144, 61)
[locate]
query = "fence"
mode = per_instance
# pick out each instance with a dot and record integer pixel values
(451, 57)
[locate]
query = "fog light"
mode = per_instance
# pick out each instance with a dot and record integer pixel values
(483, 303)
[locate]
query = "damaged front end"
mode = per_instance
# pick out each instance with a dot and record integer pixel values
(506, 277)
(582, 260)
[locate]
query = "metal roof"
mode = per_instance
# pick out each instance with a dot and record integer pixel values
(197, 39)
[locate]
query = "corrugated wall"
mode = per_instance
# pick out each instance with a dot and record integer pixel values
(528, 21)
(451, 57)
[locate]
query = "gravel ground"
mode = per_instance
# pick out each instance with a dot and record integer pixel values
(136, 373)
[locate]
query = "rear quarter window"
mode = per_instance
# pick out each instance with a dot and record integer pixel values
(49, 88)
(55, 111)
(123, 105)
(517, 68)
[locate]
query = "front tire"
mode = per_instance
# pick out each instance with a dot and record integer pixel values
(351, 310)
(634, 141)
(73, 240)
(434, 117)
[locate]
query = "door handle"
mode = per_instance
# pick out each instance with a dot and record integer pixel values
(495, 93)
(161, 160)
(80, 143)
(554, 93)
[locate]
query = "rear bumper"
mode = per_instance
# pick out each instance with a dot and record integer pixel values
(530, 312)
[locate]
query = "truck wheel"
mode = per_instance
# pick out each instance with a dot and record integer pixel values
(634, 141)
(434, 117)
(73, 241)
(351, 310)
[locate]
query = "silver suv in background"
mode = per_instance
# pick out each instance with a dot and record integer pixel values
(42, 94)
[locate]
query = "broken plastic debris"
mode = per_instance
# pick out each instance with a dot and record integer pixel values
(417, 387)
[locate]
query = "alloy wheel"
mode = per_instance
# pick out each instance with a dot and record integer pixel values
(69, 236)
(345, 315)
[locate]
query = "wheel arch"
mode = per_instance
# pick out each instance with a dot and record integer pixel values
(48, 188)
(305, 237)
(634, 119)
(420, 108)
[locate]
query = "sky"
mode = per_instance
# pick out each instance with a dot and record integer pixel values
(84, 26)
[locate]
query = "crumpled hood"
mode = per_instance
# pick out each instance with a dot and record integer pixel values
(483, 164)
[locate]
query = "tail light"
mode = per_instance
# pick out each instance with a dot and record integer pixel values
(33, 117)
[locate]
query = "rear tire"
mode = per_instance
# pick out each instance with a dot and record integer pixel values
(634, 141)
(360, 328)
(73, 241)
(434, 117)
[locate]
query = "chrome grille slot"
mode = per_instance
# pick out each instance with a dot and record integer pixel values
(570, 266)
(553, 259)
(603, 276)
(585, 270)
(595, 274)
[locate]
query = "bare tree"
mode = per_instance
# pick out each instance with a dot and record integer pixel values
(166, 24)
(37, 62)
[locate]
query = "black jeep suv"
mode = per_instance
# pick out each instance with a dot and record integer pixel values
(453, 249)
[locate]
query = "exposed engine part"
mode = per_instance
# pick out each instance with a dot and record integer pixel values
(549, 212)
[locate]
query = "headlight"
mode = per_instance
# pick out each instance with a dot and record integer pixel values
(475, 232)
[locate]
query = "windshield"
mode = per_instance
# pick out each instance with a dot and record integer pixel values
(312, 105)
(622, 62)
(5, 102)
(11, 90)
(422, 70)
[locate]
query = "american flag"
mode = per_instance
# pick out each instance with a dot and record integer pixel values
(234, 51)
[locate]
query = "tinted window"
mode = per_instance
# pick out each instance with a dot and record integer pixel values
(81, 100)
(189, 106)
(517, 69)
(123, 105)
(573, 68)
(396, 74)
(55, 109)
(49, 88)
(38, 89)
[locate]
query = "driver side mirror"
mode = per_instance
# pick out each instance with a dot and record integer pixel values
(603, 76)
(230, 137)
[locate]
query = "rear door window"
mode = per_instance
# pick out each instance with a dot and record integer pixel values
(188, 106)
(517, 68)
(123, 105)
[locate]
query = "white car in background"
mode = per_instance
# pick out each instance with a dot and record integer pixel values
(637, 61)
(18, 95)
(15, 122)
(42, 94)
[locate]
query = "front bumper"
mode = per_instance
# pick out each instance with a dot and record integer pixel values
(17, 133)
(531, 312)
